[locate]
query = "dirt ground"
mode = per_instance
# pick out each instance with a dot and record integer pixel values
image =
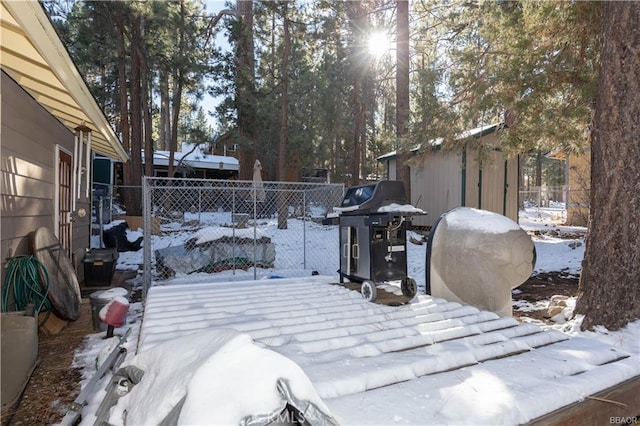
(542, 287)
(55, 383)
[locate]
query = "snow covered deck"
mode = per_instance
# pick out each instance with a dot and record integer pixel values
(430, 361)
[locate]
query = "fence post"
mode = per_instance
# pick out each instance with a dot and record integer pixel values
(539, 204)
(146, 232)
(110, 203)
(233, 226)
(304, 229)
(255, 243)
(199, 205)
(101, 221)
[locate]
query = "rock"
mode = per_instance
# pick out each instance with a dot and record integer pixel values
(553, 311)
(575, 244)
(563, 316)
(558, 300)
(557, 305)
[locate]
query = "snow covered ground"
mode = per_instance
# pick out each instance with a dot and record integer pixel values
(430, 362)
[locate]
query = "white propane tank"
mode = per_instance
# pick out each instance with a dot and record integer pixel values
(477, 257)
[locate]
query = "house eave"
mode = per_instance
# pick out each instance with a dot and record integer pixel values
(32, 54)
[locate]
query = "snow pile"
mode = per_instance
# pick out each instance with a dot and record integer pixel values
(213, 233)
(133, 236)
(428, 362)
(220, 376)
(512, 391)
(390, 208)
(397, 208)
(470, 219)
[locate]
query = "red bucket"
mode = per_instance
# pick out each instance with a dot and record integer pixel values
(115, 312)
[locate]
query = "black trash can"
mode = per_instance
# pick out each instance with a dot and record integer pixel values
(99, 266)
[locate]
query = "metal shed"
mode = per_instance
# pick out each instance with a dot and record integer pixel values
(445, 179)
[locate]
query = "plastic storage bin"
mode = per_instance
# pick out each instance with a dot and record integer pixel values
(19, 343)
(99, 265)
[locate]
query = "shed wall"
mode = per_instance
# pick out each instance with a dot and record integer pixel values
(513, 179)
(493, 184)
(391, 169)
(486, 190)
(579, 186)
(437, 182)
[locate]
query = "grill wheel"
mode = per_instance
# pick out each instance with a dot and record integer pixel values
(369, 291)
(409, 287)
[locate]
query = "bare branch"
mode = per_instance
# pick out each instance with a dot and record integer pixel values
(214, 21)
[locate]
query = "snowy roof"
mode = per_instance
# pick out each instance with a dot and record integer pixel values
(476, 132)
(196, 158)
(388, 156)
(480, 131)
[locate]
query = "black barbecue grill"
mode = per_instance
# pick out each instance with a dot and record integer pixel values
(373, 242)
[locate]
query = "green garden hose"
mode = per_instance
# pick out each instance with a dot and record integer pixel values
(27, 280)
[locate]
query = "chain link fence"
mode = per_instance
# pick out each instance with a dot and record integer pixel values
(234, 228)
(569, 204)
(543, 196)
(106, 208)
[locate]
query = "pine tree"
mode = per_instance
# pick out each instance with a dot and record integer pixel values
(610, 280)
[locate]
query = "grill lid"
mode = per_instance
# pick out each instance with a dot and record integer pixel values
(366, 199)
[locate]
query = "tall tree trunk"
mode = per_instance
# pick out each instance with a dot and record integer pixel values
(609, 291)
(358, 18)
(245, 90)
(402, 94)
(538, 169)
(368, 118)
(135, 209)
(176, 95)
(521, 162)
(128, 197)
(124, 105)
(363, 130)
(148, 128)
(284, 121)
(357, 127)
(146, 107)
(335, 152)
(165, 112)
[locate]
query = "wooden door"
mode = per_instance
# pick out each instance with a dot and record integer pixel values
(65, 192)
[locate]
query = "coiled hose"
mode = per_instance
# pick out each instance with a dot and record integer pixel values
(27, 280)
